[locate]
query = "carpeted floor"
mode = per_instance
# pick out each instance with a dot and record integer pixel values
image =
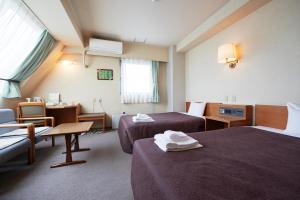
(106, 175)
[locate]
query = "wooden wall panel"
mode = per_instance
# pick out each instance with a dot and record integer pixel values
(271, 116)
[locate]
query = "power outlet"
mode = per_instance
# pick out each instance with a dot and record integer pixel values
(94, 102)
(233, 99)
(226, 99)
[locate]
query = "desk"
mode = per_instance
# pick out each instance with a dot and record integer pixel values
(64, 113)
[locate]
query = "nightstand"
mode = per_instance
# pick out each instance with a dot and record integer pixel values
(230, 116)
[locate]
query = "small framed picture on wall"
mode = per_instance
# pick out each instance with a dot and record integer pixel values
(105, 74)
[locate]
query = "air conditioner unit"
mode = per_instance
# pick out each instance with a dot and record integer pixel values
(105, 46)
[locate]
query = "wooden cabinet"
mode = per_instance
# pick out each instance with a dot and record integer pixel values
(63, 113)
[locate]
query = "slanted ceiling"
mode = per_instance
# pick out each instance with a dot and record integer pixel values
(230, 13)
(163, 23)
(60, 20)
(30, 84)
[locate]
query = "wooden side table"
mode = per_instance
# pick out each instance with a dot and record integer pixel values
(93, 117)
(230, 116)
(217, 122)
(67, 130)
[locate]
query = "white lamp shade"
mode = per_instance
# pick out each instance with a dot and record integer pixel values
(227, 53)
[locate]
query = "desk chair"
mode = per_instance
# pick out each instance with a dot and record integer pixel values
(34, 112)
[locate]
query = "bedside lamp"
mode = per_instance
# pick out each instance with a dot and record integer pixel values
(227, 54)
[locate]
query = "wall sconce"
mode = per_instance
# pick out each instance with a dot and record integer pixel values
(65, 62)
(227, 54)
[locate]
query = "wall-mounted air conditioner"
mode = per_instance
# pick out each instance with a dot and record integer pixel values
(105, 46)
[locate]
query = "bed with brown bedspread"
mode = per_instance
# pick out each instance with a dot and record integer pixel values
(129, 131)
(235, 163)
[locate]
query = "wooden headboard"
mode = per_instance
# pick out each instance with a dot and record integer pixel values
(211, 109)
(271, 116)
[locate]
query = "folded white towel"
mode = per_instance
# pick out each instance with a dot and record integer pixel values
(176, 136)
(142, 116)
(165, 149)
(136, 120)
(171, 144)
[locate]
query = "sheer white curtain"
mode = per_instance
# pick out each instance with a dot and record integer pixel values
(19, 33)
(136, 81)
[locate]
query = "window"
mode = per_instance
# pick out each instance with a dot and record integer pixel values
(138, 81)
(19, 34)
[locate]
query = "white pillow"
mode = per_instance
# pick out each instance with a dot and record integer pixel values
(293, 123)
(197, 109)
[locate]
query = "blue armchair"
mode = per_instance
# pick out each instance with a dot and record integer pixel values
(18, 138)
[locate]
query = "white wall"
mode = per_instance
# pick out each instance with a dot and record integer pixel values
(170, 67)
(176, 80)
(78, 84)
(269, 67)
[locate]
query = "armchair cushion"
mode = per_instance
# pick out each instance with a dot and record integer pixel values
(23, 132)
(8, 141)
(5, 130)
(11, 148)
(7, 115)
(34, 121)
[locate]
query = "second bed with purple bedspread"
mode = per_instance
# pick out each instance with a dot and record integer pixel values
(129, 131)
(235, 163)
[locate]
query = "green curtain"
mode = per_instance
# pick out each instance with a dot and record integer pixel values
(29, 65)
(155, 75)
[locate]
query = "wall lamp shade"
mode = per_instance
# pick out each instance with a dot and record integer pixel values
(65, 62)
(227, 54)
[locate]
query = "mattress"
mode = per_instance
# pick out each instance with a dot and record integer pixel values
(129, 131)
(235, 163)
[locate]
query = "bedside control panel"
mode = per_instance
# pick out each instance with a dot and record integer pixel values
(234, 112)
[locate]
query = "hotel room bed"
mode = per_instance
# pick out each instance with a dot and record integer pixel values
(129, 131)
(235, 163)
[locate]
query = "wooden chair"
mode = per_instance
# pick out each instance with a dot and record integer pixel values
(34, 112)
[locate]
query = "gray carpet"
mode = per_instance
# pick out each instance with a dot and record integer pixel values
(106, 175)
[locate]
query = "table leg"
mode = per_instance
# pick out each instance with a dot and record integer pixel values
(69, 160)
(76, 145)
(68, 139)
